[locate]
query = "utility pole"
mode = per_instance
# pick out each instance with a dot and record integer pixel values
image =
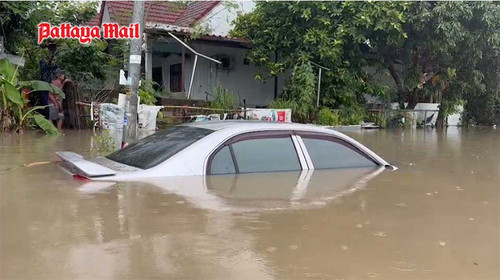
(134, 72)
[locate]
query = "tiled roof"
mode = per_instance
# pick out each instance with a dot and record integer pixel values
(216, 38)
(165, 12)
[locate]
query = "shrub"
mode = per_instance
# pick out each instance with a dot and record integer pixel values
(327, 117)
(147, 92)
(223, 99)
(351, 115)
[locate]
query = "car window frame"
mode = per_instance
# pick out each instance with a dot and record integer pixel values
(256, 135)
(332, 138)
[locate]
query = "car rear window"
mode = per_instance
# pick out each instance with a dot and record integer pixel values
(155, 149)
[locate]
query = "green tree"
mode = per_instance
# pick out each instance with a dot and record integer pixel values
(448, 49)
(445, 50)
(328, 33)
(19, 22)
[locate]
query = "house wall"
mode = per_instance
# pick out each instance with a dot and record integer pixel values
(220, 19)
(239, 80)
(105, 15)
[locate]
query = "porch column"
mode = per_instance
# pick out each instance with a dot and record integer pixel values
(149, 57)
(183, 70)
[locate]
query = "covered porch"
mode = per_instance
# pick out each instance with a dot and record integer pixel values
(185, 75)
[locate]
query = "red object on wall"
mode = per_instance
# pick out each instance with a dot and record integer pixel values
(281, 116)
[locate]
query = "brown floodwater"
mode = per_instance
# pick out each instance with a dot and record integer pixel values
(436, 217)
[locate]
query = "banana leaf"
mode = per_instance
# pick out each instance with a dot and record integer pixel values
(8, 71)
(30, 112)
(45, 124)
(11, 92)
(42, 86)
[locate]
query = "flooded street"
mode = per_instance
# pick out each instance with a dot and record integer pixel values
(436, 217)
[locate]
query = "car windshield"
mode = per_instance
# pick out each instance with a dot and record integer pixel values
(155, 149)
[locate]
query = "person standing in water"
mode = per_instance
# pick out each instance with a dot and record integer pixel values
(56, 112)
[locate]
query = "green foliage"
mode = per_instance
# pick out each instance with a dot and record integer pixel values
(42, 86)
(301, 90)
(351, 115)
(482, 110)
(46, 125)
(13, 111)
(147, 93)
(82, 63)
(283, 104)
(329, 33)
(223, 99)
(447, 50)
(102, 144)
(327, 117)
(381, 119)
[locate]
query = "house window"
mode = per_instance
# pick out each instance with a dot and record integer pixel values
(176, 77)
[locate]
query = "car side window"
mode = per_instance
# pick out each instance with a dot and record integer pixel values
(222, 162)
(266, 154)
(328, 153)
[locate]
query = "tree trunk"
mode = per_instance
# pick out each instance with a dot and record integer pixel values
(412, 100)
(397, 80)
(5, 120)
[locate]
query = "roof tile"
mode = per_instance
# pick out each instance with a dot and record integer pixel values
(166, 12)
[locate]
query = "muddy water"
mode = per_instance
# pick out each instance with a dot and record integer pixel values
(437, 217)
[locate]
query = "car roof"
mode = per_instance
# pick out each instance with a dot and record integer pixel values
(244, 124)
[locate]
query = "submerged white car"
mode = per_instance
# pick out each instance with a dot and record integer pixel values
(226, 147)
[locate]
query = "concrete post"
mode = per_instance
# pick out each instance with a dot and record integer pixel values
(135, 73)
(149, 56)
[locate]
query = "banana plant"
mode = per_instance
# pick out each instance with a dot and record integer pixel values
(13, 111)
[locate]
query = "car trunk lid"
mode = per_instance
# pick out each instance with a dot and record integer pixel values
(77, 165)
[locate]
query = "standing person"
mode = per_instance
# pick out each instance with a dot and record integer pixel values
(56, 110)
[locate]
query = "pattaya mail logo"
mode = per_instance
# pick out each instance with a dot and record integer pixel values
(85, 34)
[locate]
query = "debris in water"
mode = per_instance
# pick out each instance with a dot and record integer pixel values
(404, 266)
(436, 192)
(37, 163)
(28, 165)
(471, 219)
(459, 188)
(380, 233)
(293, 247)
(271, 249)
(407, 267)
(344, 247)
(429, 193)
(372, 275)
(442, 243)
(401, 204)
(359, 225)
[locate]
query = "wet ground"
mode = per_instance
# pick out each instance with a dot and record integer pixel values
(437, 217)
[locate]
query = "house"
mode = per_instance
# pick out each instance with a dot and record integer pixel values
(176, 68)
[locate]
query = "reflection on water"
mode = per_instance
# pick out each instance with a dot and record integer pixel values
(437, 217)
